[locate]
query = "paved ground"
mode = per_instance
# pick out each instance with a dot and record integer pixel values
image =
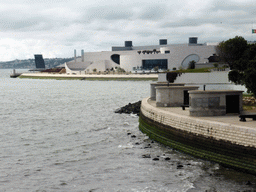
(229, 119)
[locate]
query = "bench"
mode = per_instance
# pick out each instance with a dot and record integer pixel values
(252, 116)
(184, 106)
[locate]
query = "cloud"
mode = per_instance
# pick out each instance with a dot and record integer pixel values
(57, 27)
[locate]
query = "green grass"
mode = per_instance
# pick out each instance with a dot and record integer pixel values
(201, 70)
(91, 78)
(249, 107)
(247, 95)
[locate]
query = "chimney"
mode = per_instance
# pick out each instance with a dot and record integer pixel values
(128, 43)
(193, 40)
(162, 41)
(82, 55)
(75, 55)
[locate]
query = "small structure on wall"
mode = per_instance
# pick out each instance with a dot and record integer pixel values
(173, 96)
(215, 102)
(159, 84)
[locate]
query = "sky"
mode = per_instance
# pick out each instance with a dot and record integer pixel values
(55, 28)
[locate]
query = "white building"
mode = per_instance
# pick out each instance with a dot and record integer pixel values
(144, 58)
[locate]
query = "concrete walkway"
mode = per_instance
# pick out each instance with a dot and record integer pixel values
(231, 119)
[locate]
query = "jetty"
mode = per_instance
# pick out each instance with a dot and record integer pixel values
(14, 74)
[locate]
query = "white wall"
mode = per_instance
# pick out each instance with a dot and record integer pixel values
(199, 78)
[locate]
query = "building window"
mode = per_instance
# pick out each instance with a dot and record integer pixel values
(166, 52)
(116, 58)
(151, 63)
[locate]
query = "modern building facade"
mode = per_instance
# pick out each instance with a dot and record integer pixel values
(145, 58)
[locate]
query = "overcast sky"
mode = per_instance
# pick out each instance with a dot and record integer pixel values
(55, 28)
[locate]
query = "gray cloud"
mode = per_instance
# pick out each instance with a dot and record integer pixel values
(57, 27)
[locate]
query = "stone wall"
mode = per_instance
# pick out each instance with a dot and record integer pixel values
(226, 144)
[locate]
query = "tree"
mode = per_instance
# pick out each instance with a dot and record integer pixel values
(192, 65)
(241, 58)
(232, 50)
(156, 68)
(120, 70)
(216, 65)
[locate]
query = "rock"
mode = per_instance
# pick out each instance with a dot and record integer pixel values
(179, 166)
(129, 133)
(248, 183)
(133, 136)
(167, 158)
(146, 156)
(156, 159)
(130, 108)
(249, 101)
(137, 143)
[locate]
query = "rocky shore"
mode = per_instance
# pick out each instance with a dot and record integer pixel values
(133, 108)
(249, 101)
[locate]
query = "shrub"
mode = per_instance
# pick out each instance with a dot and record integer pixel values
(192, 65)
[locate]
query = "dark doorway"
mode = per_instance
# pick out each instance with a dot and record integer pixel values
(232, 104)
(186, 97)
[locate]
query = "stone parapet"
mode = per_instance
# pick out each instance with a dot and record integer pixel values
(236, 134)
(227, 144)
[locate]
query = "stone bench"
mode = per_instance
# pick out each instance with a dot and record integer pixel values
(243, 117)
(184, 106)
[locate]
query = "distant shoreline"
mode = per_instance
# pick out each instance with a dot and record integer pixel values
(107, 77)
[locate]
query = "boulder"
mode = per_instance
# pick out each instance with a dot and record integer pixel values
(133, 108)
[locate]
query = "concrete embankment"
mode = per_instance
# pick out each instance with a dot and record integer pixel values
(222, 139)
(153, 77)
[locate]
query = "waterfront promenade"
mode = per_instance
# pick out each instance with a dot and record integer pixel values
(229, 119)
(121, 76)
(222, 139)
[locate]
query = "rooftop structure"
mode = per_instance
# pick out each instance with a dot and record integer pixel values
(39, 61)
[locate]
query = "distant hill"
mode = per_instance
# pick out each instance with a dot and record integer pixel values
(30, 63)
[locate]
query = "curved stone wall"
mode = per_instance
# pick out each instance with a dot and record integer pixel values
(230, 145)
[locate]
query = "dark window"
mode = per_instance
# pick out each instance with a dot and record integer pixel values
(151, 63)
(167, 52)
(186, 97)
(232, 103)
(116, 58)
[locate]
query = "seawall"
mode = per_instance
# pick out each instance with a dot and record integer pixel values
(214, 138)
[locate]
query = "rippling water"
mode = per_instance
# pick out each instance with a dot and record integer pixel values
(59, 135)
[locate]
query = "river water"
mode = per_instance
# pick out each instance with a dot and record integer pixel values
(63, 135)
